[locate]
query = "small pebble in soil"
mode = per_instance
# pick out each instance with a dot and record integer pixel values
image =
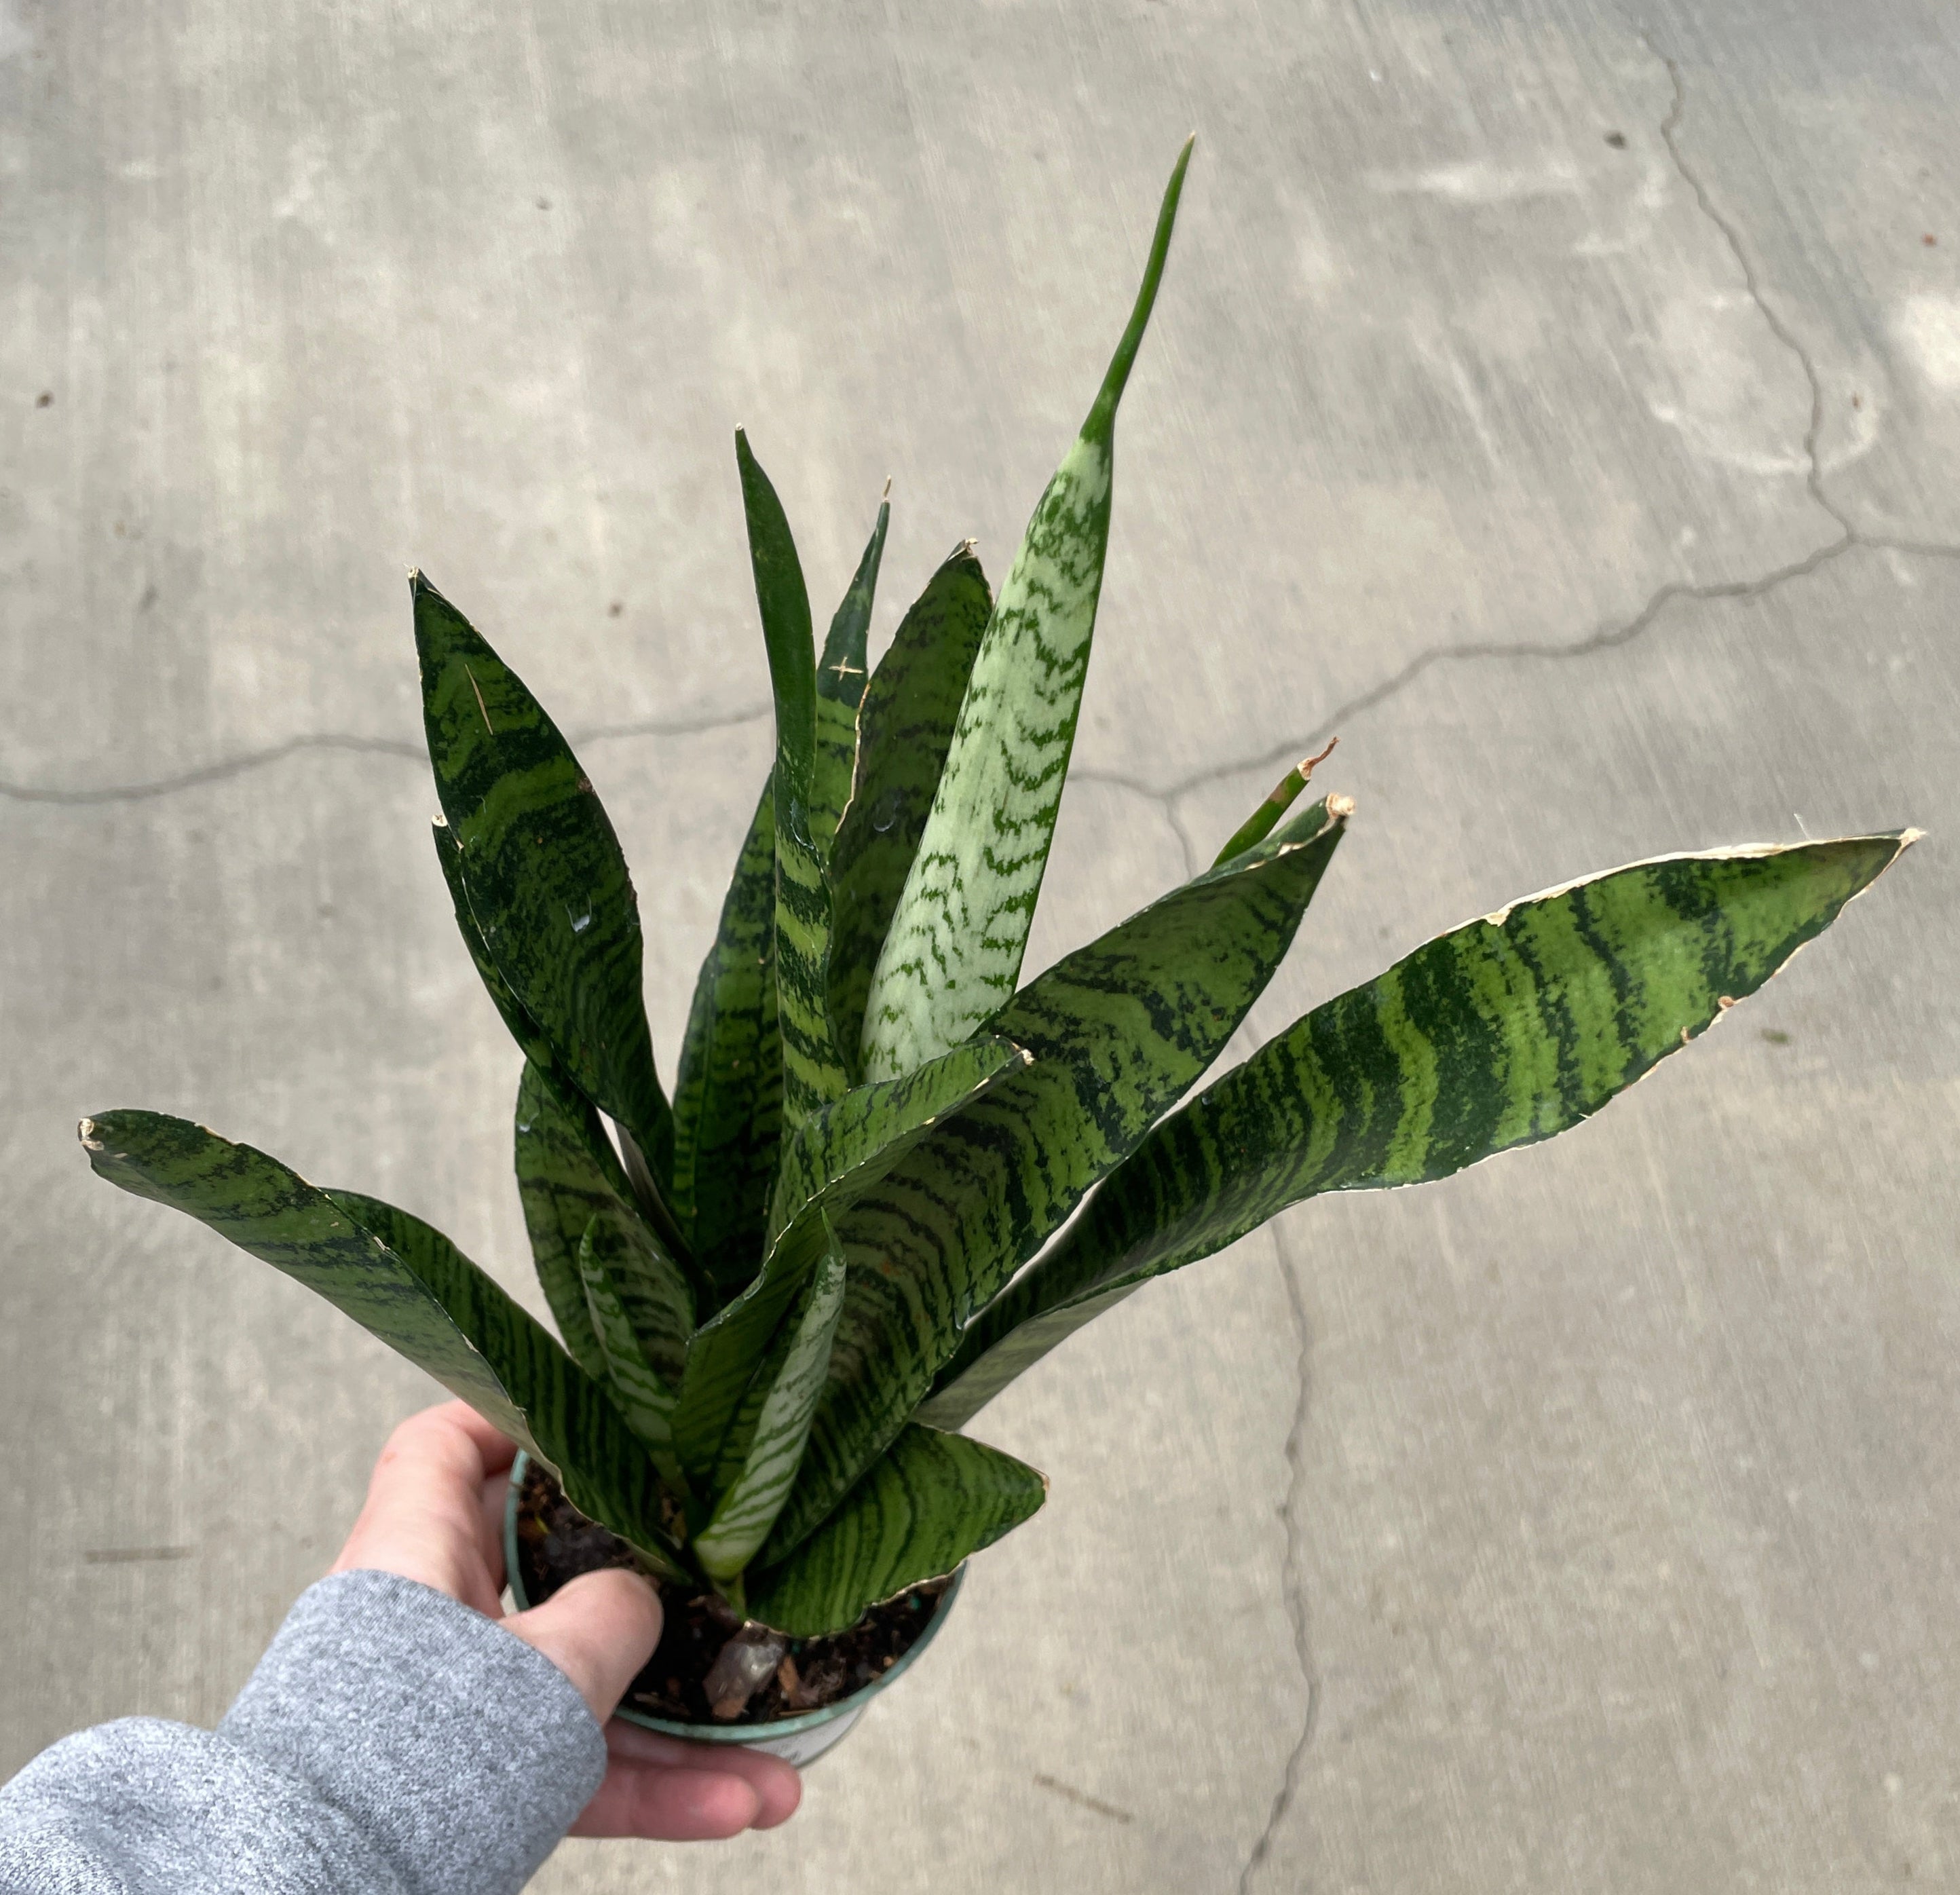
(556, 1543)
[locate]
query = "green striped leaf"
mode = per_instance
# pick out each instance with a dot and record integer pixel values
(764, 1447)
(905, 724)
(523, 1028)
(840, 689)
(841, 1153)
(952, 956)
(406, 1283)
(928, 1505)
(1282, 798)
(1119, 1030)
(643, 1383)
(813, 1075)
(728, 1095)
(542, 870)
(1504, 1032)
(852, 1138)
(568, 1174)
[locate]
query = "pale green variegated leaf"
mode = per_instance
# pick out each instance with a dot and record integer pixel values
(953, 955)
(841, 1153)
(813, 1074)
(1119, 1030)
(856, 1131)
(930, 1502)
(542, 871)
(764, 1445)
(840, 689)
(904, 726)
(728, 1095)
(1503, 1032)
(567, 1173)
(407, 1284)
(616, 1298)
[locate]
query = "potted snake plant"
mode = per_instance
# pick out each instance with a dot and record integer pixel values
(782, 1291)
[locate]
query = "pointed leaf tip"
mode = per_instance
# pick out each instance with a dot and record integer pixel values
(1102, 416)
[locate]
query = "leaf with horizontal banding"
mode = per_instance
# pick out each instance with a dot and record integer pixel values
(840, 689)
(615, 1297)
(846, 1137)
(542, 870)
(407, 1284)
(567, 1173)
(764, 1445)
(728, 1093)
(1504, 1032)
(813, 1075)
(952, 954)
(929, 1503)
(904, 726)
(1119, 1030)
(523, 1028)
(841, 1153)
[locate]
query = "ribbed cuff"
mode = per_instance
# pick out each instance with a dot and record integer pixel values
(462, 1753)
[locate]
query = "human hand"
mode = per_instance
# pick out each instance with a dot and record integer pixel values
(434, 1513)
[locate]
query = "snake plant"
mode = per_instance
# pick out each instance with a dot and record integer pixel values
(781, 1294)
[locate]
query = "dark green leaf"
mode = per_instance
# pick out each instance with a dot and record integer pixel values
(931, 1502)
(853, 1137)
(567, 1173)
(523, 1028)
(952, 954)
(643, 1380)
(1503, 1032)
(407, 1284)
(728, 1098)
(813, 1075)
(764, 1445)
(1118, 1030)
(905, 724)
(542, 870)
(841, 1153)
(840, 688)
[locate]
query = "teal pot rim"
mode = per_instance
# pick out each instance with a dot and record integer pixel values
(728, 1733)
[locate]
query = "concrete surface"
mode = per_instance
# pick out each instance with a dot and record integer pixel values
(1560, 403)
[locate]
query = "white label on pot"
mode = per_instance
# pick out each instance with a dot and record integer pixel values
(804, 1747)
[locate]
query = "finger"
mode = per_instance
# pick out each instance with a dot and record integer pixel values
(779, 1787)
(495, 1448)
(496, 1497)
(669, 1805)
(422, 1515)
(599, 1629)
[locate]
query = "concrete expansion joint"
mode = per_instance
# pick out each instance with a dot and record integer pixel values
(250, 760)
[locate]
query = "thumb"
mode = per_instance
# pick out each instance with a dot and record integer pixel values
(599, 1629)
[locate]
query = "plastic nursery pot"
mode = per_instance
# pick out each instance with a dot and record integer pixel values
(800, 1739)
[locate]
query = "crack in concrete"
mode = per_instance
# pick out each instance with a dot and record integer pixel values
(1292, 1583)
(1851, 535)
(1606, 639)
(1670, 128)
(251, 760)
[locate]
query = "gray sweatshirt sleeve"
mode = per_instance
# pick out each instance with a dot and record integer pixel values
(391, 1742)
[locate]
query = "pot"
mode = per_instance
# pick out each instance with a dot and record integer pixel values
(797, 1740)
